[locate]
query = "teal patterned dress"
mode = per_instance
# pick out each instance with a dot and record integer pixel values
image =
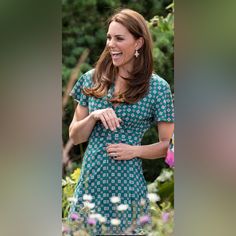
(101, 176)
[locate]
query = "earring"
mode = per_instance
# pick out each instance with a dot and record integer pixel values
(136, 53)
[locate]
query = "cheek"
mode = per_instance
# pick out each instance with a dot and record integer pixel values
(130, 52)
(128, 49)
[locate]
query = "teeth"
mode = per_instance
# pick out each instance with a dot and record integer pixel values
(116, 53)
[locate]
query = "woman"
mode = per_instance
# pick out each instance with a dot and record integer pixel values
(117, 102)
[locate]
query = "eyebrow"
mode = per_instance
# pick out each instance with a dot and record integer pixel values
(116, 35)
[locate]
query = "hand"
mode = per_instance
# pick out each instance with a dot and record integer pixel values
(121, 151)
(108, 118)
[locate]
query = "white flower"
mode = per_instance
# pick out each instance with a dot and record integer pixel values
(153, 197)
(152, 187)
(115, 199)
(142, 202)
(69, 180)
(87, 197)
(115, 221)
(72, 199)
(95, 216)
(102, 219)
(165, 175)
(99, 217)
(64, 183)
(89, 205)
(122, 207)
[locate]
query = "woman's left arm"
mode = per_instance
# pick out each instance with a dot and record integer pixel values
(123, 151)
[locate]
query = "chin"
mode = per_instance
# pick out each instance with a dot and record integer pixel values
(116, 64)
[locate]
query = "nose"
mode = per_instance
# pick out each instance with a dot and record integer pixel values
(110, 43)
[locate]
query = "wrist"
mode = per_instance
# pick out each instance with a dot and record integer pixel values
(136, 151)
(92, 116)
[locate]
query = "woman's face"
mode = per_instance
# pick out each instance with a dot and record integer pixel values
(122, 45)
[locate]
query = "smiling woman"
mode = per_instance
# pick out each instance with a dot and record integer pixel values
(117, 102)
(126, 57)
(122, 46)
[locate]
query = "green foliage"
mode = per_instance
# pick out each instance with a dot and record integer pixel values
(164, 186)
(68, 187)
(162, 29)
(162, 219)
(81, 30)
(162, 214)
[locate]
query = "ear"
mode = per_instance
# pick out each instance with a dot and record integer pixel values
(139, 43)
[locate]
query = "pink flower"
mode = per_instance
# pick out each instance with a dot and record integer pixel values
(74, 216)
(91, 221)
(144, 219)
(170, 158)
(65, 229)
(165, 216)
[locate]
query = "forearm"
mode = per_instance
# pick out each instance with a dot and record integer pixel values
(152, 151)
(80, 131)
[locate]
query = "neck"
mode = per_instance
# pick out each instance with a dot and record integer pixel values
(123, 73)
(120, 85)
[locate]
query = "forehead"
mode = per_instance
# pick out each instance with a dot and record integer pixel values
(117, 28)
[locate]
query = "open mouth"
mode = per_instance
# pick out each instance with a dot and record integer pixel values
(116, 55)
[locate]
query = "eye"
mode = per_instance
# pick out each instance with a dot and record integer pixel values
(108, 37)
(120, 39)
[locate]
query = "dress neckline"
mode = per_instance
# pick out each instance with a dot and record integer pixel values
(110, 94)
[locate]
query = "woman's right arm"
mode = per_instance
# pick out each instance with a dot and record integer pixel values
(81, 125)
(83, 122)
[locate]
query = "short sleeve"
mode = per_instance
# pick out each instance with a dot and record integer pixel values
(163, 106)
(77, 92)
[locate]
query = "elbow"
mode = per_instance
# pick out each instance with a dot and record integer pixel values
(73, 140)
(73, 136)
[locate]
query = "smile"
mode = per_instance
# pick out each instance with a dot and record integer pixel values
(116, 55)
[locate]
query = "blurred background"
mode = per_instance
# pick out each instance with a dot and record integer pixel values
(31, 114)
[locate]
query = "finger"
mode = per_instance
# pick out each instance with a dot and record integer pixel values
(111, 150)
(104, 121)
(114, 148)
(118, 158)
(119, 120)
(116, 119)
(108, 120)
(113, 154)
(112, 145)
(112, 117)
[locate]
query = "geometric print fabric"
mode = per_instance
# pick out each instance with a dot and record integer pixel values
(101, 176)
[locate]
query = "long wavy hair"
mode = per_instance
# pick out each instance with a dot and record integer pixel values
(138, 80)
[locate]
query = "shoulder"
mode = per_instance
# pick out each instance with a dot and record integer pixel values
(86, 78)
(156, 81)
(84, 81)
(89, 73)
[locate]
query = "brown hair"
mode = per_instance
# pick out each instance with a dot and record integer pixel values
(138, 80)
